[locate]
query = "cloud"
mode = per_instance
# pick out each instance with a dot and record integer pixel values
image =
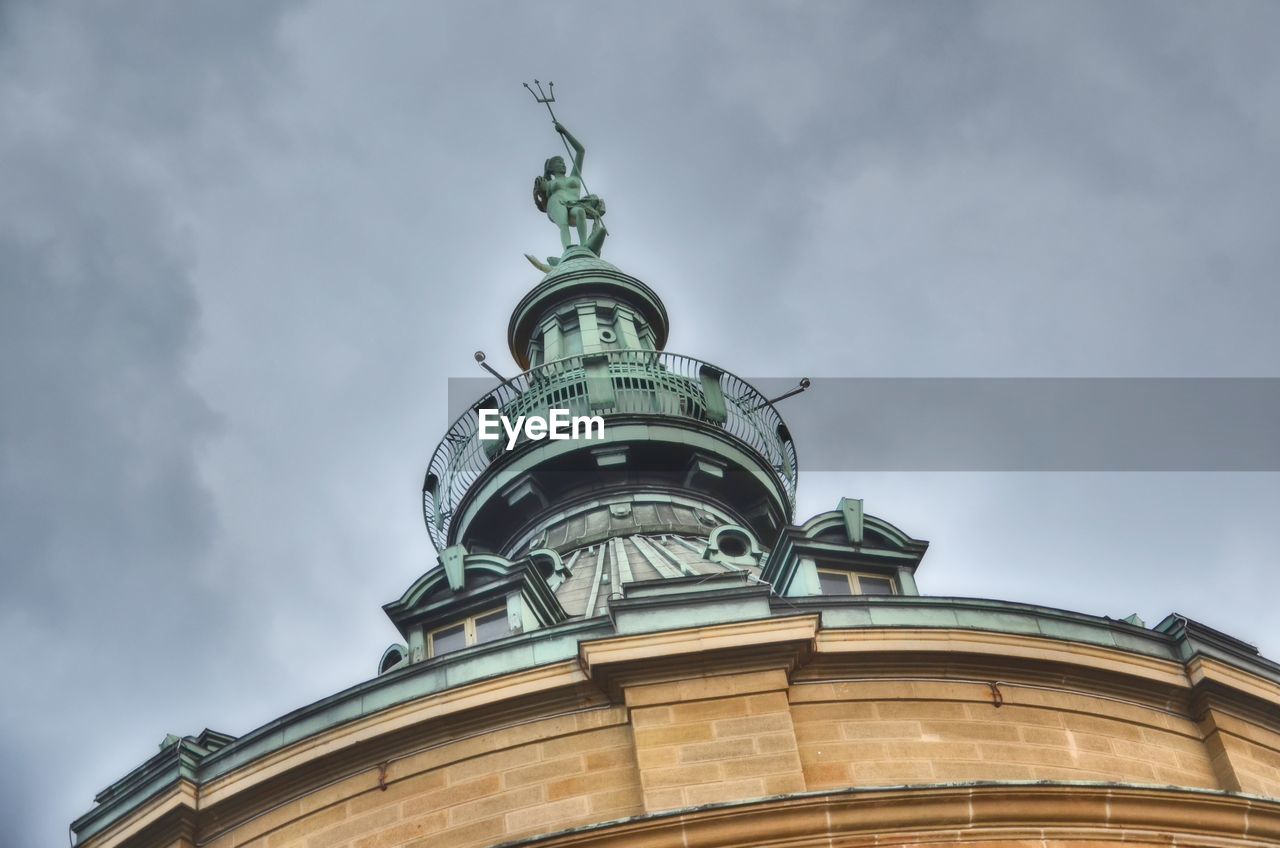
(242, 248)
(104, 514)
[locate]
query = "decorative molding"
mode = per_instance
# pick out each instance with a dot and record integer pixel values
(874, 640)
(968, 814)
(1206, 670)
(449, 702)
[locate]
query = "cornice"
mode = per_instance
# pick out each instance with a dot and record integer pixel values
(1205, 669)
(930, 640)
(171, 808)
(448, 702)
(602, 653)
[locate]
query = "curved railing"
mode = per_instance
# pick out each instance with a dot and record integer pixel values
(617, 382)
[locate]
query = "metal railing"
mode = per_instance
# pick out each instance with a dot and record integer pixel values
(616, 382)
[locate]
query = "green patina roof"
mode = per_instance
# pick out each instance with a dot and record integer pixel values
(1176, 638)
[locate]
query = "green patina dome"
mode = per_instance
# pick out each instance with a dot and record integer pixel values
(577, 259)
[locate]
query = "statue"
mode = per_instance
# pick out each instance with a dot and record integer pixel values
(560, 196)
(559, 193)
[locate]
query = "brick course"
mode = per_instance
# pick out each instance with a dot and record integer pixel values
(543, 784)
(741, 736)
(865, 740)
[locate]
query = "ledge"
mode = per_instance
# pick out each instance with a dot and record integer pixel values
(1003, 645)
(959, 813)
(768, 642)
(930, 611)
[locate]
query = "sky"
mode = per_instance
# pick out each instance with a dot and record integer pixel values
(244, 246)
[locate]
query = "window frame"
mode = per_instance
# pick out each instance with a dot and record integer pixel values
(468, 631)
(855, 585)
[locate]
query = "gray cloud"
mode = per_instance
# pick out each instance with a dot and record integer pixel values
(243, 247)
(106, 520)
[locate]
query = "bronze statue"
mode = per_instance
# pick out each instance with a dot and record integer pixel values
(560, 196)
(559, 193)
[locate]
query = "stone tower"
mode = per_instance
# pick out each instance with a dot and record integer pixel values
(633, 641)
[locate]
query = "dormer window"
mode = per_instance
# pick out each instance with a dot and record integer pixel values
(855, 583)
(474, 630)
(474, 598)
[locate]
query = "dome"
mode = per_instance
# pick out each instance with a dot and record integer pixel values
(600, 571)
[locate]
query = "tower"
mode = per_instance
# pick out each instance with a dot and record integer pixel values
(632, 640)
(692, 469)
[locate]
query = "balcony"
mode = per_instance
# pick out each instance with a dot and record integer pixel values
(612, 384)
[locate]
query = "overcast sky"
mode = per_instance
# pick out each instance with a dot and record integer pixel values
(243, 246)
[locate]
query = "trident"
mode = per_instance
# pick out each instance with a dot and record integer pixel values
(547, 98)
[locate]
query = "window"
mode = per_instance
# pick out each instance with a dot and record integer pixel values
(448, 640)
(874, 585)
(491, 626)
(835, 583)
(852, 583)
(733, 544)
(391, 658)
(475, 630)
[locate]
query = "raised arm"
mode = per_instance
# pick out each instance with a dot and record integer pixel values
(578, 150)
